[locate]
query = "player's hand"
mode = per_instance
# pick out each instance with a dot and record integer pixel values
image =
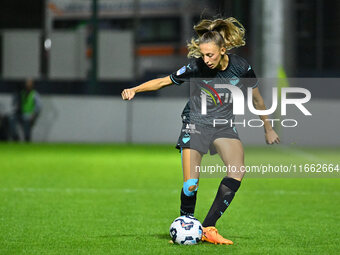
(128, 94)
(272, 137)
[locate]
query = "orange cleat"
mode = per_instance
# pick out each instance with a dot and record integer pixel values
(211, 235)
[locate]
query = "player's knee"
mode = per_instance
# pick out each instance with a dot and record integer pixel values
(190, 187)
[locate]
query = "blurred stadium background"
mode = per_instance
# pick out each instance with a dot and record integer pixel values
(83, 53)
(57, 197)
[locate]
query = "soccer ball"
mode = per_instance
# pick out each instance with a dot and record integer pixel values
(186, 230)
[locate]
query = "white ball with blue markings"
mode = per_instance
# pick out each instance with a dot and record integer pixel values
(186, 230)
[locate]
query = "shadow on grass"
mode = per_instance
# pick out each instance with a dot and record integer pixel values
(120, 236)
(162, 236)
(239, 237)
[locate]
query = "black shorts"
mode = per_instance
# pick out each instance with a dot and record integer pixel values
(201, 138)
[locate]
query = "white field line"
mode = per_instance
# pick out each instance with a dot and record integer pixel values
(66, 190)
(77, 190)
(139, 191)
(302, 154)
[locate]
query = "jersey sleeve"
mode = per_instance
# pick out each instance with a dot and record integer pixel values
(249, 77)
(185, 73)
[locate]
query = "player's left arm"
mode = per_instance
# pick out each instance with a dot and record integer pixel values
(270, 134)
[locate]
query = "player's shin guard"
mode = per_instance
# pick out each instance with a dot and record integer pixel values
(225, 194)
(188, 204)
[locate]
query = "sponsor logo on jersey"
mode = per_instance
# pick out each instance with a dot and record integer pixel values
(190, 126)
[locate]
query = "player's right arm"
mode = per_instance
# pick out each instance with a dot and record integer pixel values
(151, 85)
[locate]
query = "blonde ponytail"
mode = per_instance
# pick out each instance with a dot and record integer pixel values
(228, 33)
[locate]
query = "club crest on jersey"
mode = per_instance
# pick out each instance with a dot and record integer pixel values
(182, 70)
(234, 81)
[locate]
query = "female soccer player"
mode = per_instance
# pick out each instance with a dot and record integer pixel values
(209, 61)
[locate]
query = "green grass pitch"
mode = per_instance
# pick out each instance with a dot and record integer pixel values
(121, 199)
